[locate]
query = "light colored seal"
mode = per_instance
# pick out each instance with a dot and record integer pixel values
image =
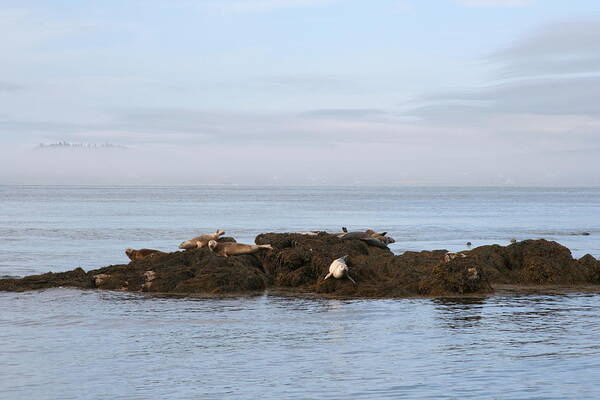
(451, 256)
(308, 233)
(201, 241)
(137, 255)
(339, 269)
(226, 249)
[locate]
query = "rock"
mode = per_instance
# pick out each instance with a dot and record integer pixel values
(149, 277)
(535, 262)
(75, 278)
(298, 264)
(190, 271)
(459, 275)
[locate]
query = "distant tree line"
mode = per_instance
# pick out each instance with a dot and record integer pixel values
(90, 146)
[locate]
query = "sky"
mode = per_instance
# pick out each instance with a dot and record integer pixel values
(301, 92)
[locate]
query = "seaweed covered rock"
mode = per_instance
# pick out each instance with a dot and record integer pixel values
(298, 260)
(535, 262)
(75, 278)
(460, 275)
(299, 263)
(192, 271)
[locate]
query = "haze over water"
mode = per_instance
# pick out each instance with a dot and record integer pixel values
(73, 344)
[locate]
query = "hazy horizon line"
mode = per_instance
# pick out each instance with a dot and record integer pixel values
(235, 185)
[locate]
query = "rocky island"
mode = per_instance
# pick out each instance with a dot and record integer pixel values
(298, 264)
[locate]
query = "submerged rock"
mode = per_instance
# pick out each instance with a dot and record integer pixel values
(299, 263)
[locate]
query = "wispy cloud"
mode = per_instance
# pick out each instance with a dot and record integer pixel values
(569, 96)
(554, 70)
(560, 48)
(347, 113)
(266, 5)
(494, 3)
(265, 94)
(303, 83)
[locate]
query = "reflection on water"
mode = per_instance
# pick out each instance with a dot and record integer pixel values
(73, 344)
(459, 313)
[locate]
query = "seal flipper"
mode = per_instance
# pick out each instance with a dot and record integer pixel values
(349, 277)
(344, 229)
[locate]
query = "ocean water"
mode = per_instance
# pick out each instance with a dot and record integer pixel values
(73, 344)
(60, 228)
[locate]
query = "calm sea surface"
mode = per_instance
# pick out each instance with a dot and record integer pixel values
(72, 344)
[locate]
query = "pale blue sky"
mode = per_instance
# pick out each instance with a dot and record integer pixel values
(480, 92)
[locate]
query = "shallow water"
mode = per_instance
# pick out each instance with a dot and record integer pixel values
(72, 344)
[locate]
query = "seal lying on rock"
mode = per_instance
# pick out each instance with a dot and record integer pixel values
(374, 242)
(201, 241)
(339, 269)
(451, 256)
(369, 233)
(136, 255)
(384, 239)
(233, 249)
(369, 236)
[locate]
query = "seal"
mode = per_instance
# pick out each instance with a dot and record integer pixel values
(369, 236)
(339, 269)
(369, 233)
(137, 255)
(308, 233)
(451, 256)
(227, 249)
(385, 239)
(353, 235)
(201, 241)
(375, 242)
